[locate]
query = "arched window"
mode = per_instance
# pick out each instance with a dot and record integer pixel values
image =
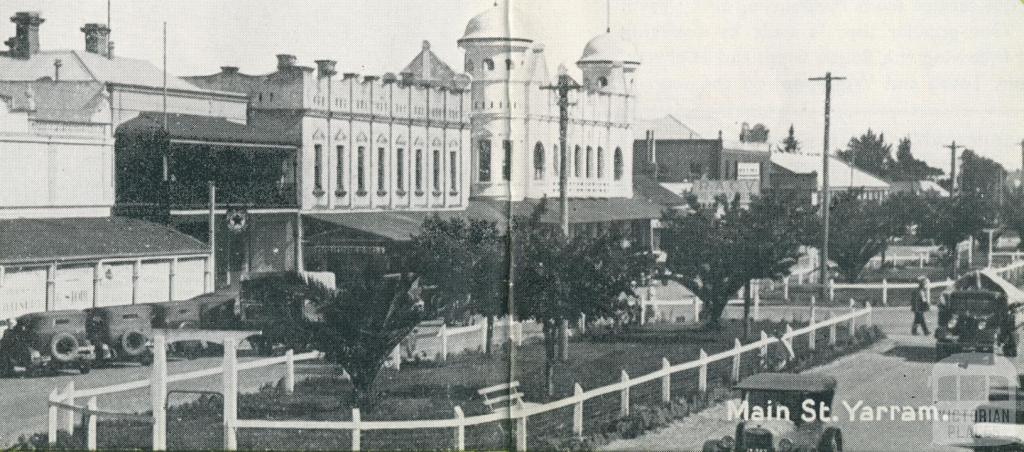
(590, 162)
(418, 172)
(361, 171)
(436, 173)
(600, 162)
(484, 161)
(538, 161)
(381, 172)
(577, 160)
(618, 163)
(602, 81)
(488, 64)
(506, 161)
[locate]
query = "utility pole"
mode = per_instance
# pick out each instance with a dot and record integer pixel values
(826, 195)
(564, 86)
(952, 166)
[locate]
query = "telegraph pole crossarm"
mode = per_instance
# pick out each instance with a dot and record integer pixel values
(564, 86)
(826, 193)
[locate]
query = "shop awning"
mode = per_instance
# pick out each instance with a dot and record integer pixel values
(398, 225)
(27, 240)
(588, 210)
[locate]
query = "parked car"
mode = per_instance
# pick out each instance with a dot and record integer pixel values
(122, 333)
(47, 341)
(975, 321)
(781, 433)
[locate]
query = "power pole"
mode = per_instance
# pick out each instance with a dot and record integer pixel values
(826, 195)
(952, 166)
(564, 86)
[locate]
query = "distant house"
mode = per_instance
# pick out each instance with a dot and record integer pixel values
(919, 187)
(799, 175)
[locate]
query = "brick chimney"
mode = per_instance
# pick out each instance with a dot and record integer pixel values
(285, 61)
(229, 70)
(325, 68)
(97, 39)
(25, 42)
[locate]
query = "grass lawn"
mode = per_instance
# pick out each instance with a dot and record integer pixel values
(431, 391)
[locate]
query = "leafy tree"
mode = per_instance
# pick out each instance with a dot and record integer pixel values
(466, 263)
(557, 279)
(790, 143)
(980, 176)
(908, 168)
(756, 134)
(952, 220)
(716, 250)
(860, 230)
(1011, 213)
(869, 152)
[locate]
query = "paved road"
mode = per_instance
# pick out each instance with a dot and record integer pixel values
(23, 400)
(895, 371)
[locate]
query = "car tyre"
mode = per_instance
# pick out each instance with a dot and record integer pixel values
(133, 343)
(64, 347)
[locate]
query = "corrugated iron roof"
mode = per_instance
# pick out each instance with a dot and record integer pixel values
(68, 239)
(85, 66)
(217, 130)
(840, 173)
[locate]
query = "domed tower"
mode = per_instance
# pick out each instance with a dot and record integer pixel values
(609, 64)
(497, 47)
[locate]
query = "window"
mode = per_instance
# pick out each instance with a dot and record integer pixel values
(361, 170)
(381, 174)
(602, 81)
(577, 159)
(453, 171)
(436, 173)
(318, 170)
(485, 161)
(590, 162)
(618, 163)
(419, 171)
(600, 162)
(340, 168)
(400, 169)
(488, 64)
(506, 161)
(538, 162)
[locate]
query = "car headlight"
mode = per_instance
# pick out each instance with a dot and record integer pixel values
(952, 323)
(34, 355)
(727, 442)
(981, 325)
(785, 445)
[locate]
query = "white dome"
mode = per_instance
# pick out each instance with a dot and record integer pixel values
(609, 47)
(497, 22)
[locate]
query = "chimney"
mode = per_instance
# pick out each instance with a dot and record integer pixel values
(25, 42)
(97, 39)
(285, 61)
(229, 70)
(325, 68)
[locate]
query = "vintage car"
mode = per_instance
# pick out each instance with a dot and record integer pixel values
(782, 397)
(47, 341)
(980, 315)
(122, 333)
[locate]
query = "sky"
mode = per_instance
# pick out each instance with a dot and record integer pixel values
(931, 70)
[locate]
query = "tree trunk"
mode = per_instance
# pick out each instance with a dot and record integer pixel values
(712, 312)
(490, 335)
(550, 331)
(563, 341)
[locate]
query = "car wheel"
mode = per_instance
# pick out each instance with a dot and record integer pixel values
(711, 445)
(133, 343)
(64, 347)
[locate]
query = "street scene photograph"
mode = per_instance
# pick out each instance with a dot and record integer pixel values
(658, 225)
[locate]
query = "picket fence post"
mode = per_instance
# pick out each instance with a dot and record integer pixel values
(396, 357)
(787, 338)
(443, 334)
(582, 324)
(785, 289)
(666, 381)
(921, 259)
(737, 353)
(69, 399)
(51, 425)
(853, 318)
(230, 382)
(696, 309)
(90, 424)
(643, 308)
(460, 429)
(831, 290)
(521, 433)
(356, 433)
(577, 412)
(702, 382)
(158, 392)
(289, 365)
(519, 333)
(624, 402)
(885, 292)
(483, 335)
(764, 346)
(869, 321)
(831, 329)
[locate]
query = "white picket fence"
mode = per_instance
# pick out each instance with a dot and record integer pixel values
(449, 341)
(63, 400)
(459, 421)
(885, 286)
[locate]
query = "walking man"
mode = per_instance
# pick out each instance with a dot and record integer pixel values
(919, 304)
